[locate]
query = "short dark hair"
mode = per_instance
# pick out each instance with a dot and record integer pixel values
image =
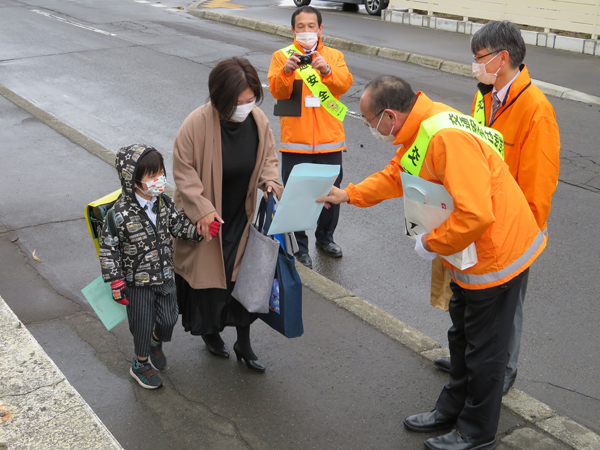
(497, 36)
(390, 92)
(150, 163)
(228, 79)
(307, 10)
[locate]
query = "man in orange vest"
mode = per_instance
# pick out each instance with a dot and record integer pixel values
(507, 101)
(489, 210)
(316, 135)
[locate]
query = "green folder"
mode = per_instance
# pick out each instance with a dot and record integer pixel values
(99, 295)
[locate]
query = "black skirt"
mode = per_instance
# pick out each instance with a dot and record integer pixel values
(207, 311)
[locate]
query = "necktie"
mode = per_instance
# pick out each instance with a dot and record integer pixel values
(495, 105)
(154, 207)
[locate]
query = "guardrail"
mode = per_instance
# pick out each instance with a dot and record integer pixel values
(577, 16)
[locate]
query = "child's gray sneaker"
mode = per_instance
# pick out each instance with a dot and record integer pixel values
(157, 357)
(144, 375)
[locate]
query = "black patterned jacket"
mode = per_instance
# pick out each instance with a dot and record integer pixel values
(142, 253)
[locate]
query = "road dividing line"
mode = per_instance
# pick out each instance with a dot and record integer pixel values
(80, 25)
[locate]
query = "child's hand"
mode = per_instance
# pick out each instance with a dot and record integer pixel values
(119, 292)
(204, 225)
(214, 227)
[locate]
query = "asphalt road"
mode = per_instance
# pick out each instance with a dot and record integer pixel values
(138, 69)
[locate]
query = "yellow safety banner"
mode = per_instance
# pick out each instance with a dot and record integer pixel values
(479, 114)
(312, 79)
(413, 159)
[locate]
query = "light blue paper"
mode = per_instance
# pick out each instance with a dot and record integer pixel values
(298, 210)
(99, 296)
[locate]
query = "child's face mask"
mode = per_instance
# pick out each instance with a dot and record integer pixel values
(156, 186)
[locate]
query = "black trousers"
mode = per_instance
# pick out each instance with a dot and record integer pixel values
(328, 219)
(478, 340)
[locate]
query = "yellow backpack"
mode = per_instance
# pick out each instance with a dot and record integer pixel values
(97, 212)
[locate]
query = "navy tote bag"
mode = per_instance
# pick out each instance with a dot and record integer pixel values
(285, 305)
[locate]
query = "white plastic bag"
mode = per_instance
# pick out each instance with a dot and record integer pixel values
(426, 206)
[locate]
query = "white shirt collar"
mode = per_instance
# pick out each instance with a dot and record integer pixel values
(143, 202)
(504, 91)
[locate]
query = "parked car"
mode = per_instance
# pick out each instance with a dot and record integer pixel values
(373, 7)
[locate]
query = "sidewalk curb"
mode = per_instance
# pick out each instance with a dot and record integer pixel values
(531, 410)
(430, 62)
(39, 408)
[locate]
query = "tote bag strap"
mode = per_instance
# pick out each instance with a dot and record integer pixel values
(265, 214)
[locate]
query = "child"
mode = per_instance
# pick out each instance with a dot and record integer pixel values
(138, 262)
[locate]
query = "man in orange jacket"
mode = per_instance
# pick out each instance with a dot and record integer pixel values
(317, 134)
(489, 210)
(507, 101)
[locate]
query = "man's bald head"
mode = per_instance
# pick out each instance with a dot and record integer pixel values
(389, 92)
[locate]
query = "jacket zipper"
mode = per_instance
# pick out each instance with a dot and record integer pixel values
(155, 228)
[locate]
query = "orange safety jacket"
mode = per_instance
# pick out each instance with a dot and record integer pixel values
(489, 207)
(315, 130)
(527, 121)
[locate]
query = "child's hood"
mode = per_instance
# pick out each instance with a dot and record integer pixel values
(126, 165)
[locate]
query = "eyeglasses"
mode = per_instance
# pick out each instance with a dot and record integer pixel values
(478, 58)
(368, 122)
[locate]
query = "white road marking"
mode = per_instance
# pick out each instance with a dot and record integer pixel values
(60, 19)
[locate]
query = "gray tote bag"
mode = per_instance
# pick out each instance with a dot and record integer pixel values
(255, 278)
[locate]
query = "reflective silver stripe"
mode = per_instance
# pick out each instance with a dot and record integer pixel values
(495, 276)
(545, 231)
(309, 148)
(330, 146)
(290, 146)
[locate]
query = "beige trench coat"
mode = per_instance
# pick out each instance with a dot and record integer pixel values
(198, 173)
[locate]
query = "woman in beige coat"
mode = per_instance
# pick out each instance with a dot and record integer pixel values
(223, 153)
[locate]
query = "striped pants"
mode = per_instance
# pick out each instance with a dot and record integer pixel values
(151, 308)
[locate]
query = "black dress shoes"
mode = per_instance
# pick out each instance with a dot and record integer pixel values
(331, 249)
(304, 259)
(442, 363)
(508, 382)
(252, 364)
(222, 352)
(428, 422)
(457, 441)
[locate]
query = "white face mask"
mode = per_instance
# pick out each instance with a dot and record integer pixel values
(241, 112)
(156, 186)
(307, 39)
(381, 137)
(482, 75)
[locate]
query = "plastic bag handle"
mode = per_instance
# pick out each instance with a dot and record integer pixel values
(419, 191)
